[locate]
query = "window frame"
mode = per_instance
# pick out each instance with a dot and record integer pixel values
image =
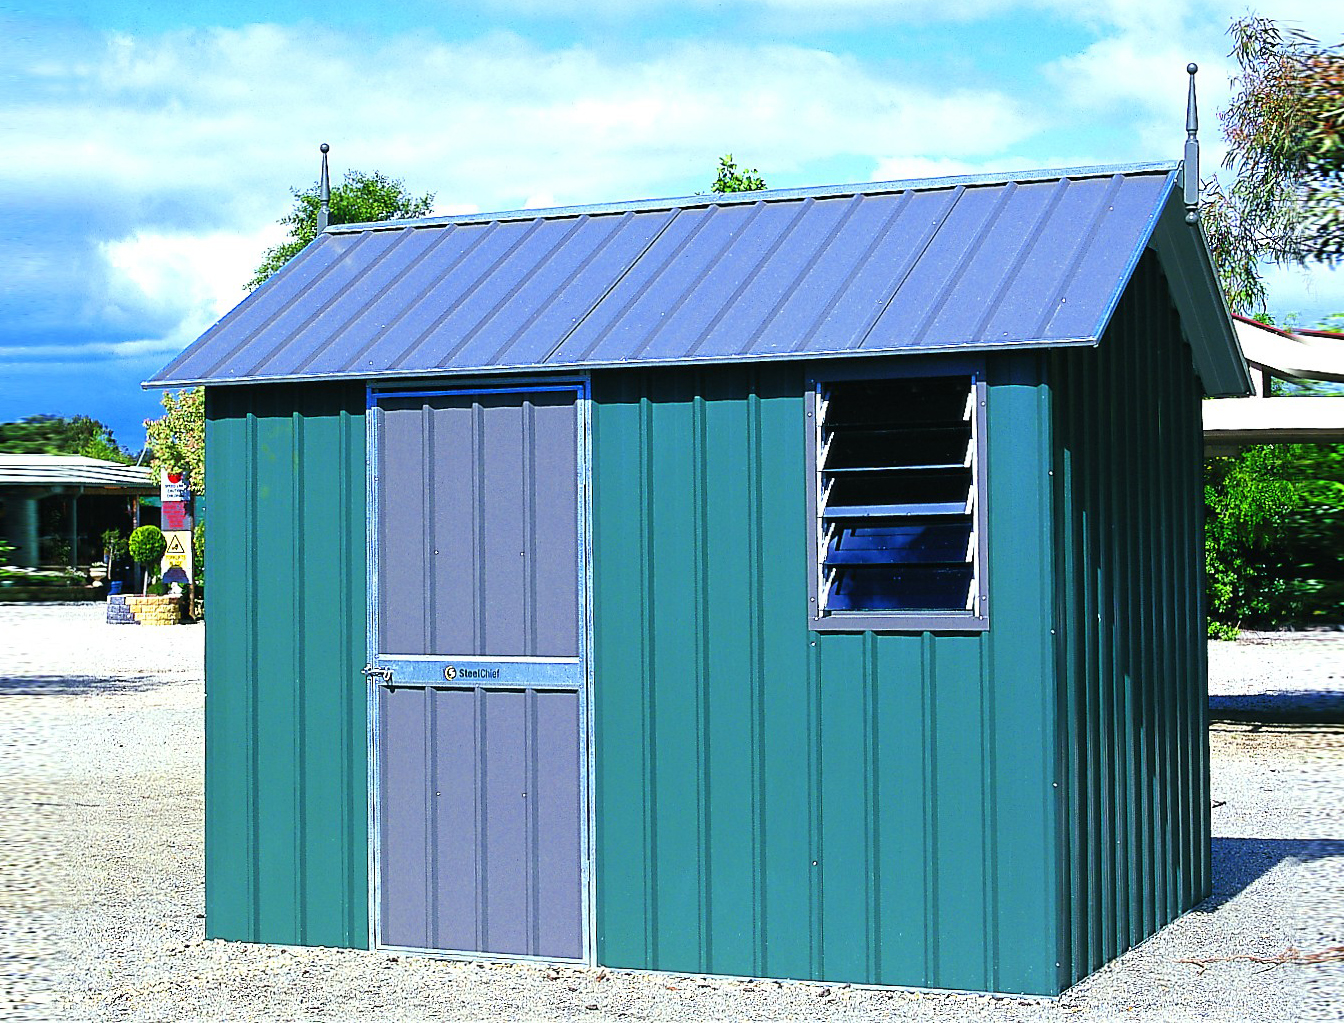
(969, 621)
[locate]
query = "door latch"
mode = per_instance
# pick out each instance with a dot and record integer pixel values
(383, 675)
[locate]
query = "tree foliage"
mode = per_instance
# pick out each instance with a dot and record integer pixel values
(177, 438)
(1283, 131)
(114, 544)
(147, 544)
(1247, 499)
(1276, 512)
(1275, 525)
(360, 198)
(61, 435)
(731, 178)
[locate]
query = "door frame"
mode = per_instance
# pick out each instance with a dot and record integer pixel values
(439, 387)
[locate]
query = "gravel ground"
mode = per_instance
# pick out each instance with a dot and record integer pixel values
(101, 888)
(1281, 676)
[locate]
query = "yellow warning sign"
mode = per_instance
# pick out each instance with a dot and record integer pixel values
(177, 557)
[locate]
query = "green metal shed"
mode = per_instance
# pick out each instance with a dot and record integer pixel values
(801, 584)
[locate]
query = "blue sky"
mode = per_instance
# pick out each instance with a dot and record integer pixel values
(150, 147)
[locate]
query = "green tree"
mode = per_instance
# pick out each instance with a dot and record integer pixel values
(1275, 526)
(734, 179)
(1274, 530)
(359, 199)
(1276, 512)
(147, 545)
(1247, 499)
(1283, 132)
(177, 438)
(60, 435)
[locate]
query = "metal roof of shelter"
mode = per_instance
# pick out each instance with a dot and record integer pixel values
(1273, 352)
(1303, 355)
(60, 471)
(1034, 259)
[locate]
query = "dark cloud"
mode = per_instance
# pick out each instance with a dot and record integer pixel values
(109, 392)
(62, 287)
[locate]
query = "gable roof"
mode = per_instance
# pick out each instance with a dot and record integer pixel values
(1036, 259)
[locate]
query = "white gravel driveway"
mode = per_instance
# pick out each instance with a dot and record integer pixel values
(101, 887)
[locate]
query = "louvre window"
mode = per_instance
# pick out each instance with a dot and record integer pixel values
(897, 498)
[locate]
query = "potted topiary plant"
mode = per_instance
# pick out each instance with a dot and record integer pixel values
(114, 547)
(147, 546)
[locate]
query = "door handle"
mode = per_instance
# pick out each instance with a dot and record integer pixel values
(383, 675)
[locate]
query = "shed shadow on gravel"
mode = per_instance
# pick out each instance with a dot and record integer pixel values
(1289, 706)
(76, 685)
(1239, 862)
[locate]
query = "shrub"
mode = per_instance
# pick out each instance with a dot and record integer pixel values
(147, 546)
(1275, 525)
(114, 544)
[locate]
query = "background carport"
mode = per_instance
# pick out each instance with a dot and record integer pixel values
(1306, 356)
(26, 479)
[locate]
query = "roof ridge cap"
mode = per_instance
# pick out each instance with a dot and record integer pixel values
(704, 199)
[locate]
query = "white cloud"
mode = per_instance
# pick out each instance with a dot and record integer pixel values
(192, 140)
(234, 117)
(1138, 61)
(813, 11)
(810, 12)
(189, 142)
(203, 273)
(1324, 19)
(15, 356)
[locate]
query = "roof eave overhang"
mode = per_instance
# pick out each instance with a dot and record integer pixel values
(704, 199)
(1183, 250)
(570, 369)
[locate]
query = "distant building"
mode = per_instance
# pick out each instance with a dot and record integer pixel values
(95, 495)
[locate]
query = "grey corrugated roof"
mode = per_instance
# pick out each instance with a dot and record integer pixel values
(73, 471)
(1033, 259)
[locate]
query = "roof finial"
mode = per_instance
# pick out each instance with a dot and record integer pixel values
(1191, 169)
(324, 193)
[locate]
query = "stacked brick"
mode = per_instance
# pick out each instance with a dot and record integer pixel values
(132, 609)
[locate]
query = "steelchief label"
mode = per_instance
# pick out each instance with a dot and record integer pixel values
(452, 673)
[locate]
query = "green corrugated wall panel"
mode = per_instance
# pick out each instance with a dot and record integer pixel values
(229, 824)
(1132, 677)
(773, 801)
(1022, 802)
(286, 806)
